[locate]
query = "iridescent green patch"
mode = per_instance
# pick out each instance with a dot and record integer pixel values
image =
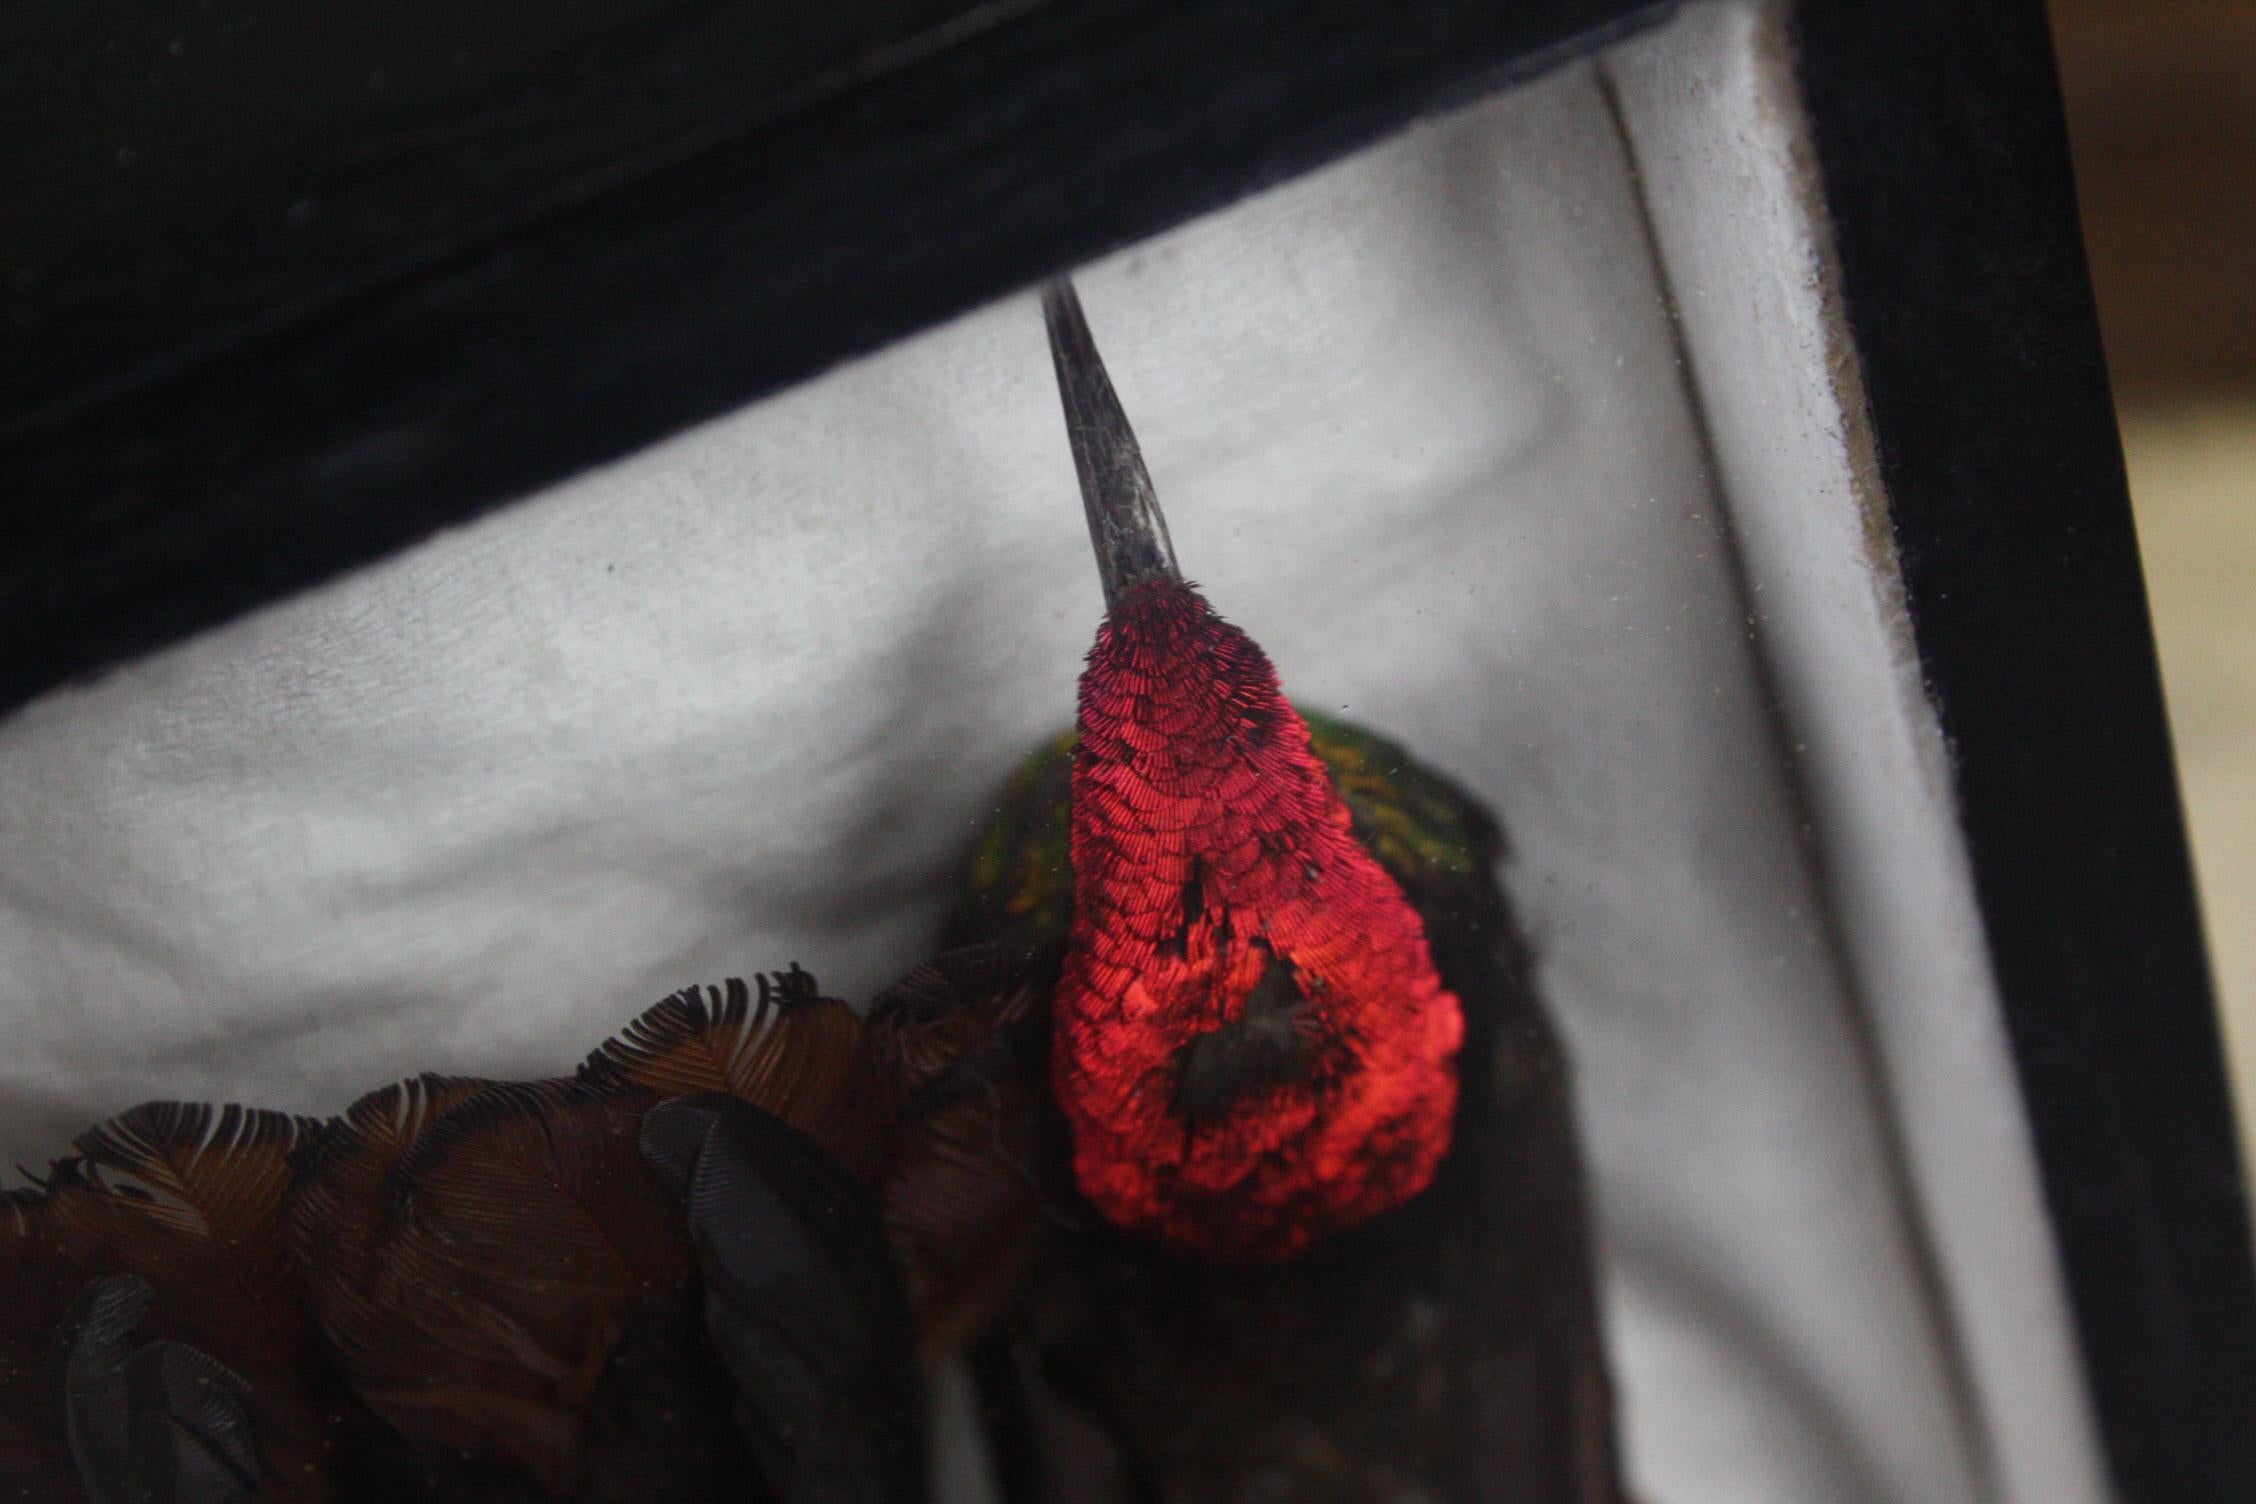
(1020, 886)
(1428, 833)
(1424, 829)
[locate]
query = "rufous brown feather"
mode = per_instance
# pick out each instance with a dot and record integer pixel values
(188, 1197)
(980, 1149)
(789, 1051)
(476, 1253)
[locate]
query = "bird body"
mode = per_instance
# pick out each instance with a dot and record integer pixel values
(1348, 1258)
(1448, 1349)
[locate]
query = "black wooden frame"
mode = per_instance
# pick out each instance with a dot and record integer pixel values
(1944, 159)
(169, 461)
(161, 471)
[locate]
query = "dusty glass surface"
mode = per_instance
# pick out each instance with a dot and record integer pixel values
(1521, 441)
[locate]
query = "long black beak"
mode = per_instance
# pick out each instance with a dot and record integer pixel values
(1125, 524)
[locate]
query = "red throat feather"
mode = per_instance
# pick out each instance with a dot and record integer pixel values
(1253, 1046)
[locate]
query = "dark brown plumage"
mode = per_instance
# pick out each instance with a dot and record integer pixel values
(484, 1259)
(188, 1199)
(466, 1289)
(803, 1306)
(971, 1193)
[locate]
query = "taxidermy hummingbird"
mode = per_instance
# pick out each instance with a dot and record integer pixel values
(1229, 1139)
(1326, 1237)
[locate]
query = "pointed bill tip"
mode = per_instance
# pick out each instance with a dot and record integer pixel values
(1126, 527)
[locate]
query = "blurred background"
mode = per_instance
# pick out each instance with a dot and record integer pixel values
(2161, 98)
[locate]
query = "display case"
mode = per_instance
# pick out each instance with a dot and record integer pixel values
(575, 506)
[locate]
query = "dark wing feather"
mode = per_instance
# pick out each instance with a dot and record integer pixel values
(163, 1423)
(802, 1302)
(88, 1366)
(192, 1431)
(789, 1051)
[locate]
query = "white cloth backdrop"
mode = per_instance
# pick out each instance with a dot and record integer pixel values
(741, 699)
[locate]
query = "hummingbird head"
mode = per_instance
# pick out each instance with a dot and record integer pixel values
(1252, 1043)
